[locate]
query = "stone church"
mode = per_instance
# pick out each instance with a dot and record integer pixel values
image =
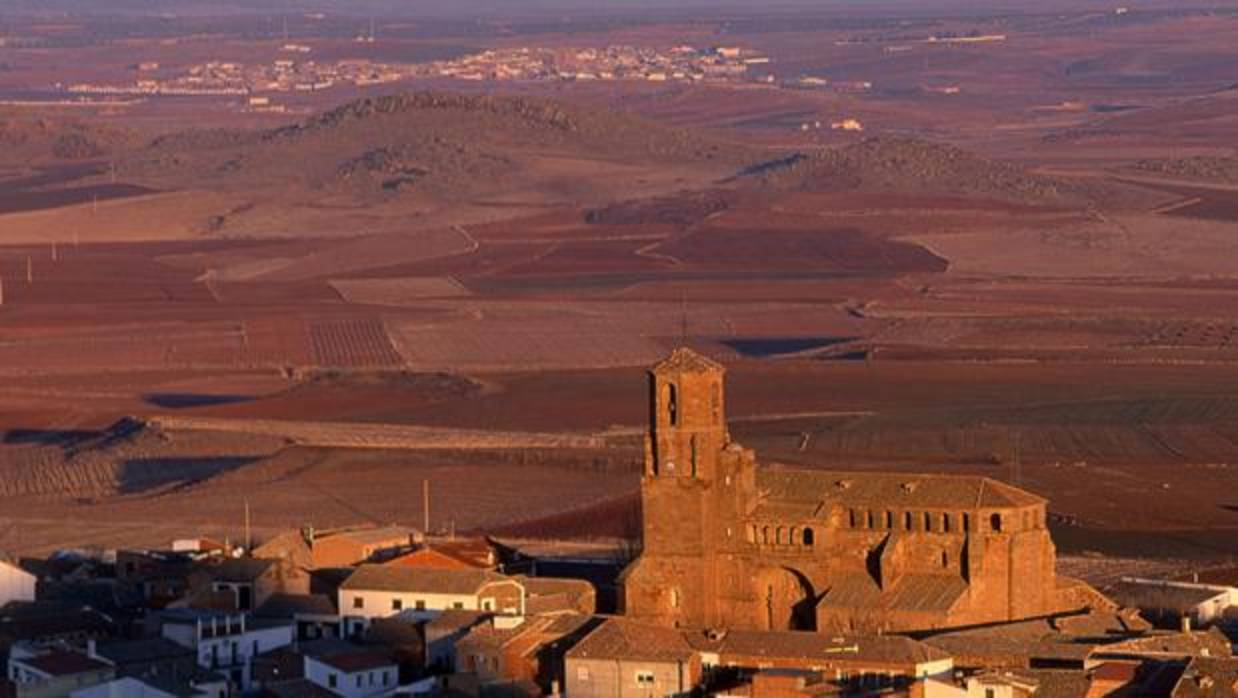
(728, 543)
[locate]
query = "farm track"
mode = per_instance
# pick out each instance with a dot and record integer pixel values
(379, 436)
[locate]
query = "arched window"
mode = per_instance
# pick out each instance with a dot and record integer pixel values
(808, 537)
(928, 521)
(907, 520)
(945, 523)
(851, 518)
(765, 535)
(889, 519)
(945, 559)
(672, 404)
(966, 522)
(868, 518)
(995, 523)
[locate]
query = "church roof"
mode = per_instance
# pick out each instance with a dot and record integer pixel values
(685, 360)
(895, 490)
(911, 592)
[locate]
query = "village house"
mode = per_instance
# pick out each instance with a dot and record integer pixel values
(867, 662)
(16, 584)
(225, 642)
(161, 665)
(314, 615)
(547, 595)
(521, 652)
(246, 583)
(622, 658)
(54, 672)
(377, 591)
(459, 553)
(445, 630)
(353, 672)
(1166, 603)
(356, 546)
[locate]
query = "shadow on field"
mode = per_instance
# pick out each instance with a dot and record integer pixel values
(49, 437)
(139, 475)
(181, 401)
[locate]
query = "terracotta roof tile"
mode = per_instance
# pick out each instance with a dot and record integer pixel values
(619, 638)
(446, 581)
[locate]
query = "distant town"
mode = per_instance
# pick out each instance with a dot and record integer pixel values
(296, 73)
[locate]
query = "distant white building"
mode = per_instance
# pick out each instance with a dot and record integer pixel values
(16, 584)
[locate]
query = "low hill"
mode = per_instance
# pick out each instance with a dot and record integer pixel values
(1212, 169)
(438, 145)
(27, 139)
(912, 166)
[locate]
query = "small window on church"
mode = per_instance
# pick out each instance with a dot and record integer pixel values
(928, 521)
(869, 518)
(851, 518)
(995, 523)
(889, 519)
(907, 520)
(672, 404)
(966, 522)
(808, 537)
(945, 523)
(945, 559)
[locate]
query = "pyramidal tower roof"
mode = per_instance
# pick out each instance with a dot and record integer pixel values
(685, 360)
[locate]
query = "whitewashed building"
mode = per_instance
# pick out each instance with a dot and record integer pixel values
(16, 584)
(226, 642)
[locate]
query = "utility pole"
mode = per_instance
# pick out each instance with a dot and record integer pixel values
(425, 507)
(1017, 461)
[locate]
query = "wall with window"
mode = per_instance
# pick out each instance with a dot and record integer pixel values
(628, 678)
(379, 681)
(505, 597)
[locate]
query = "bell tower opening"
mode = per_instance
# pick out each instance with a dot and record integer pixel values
(687, 424)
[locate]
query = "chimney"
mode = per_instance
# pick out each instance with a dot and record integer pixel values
(1186, 624)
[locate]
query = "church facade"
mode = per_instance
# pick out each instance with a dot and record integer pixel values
(727, 543)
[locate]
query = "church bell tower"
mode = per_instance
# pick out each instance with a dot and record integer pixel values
(687, 425)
